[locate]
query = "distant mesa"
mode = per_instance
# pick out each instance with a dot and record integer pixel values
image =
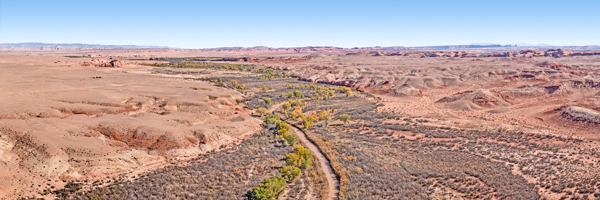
(531, 53)
(444, 50)
(55, 46)
(449, 54)
(528, 53)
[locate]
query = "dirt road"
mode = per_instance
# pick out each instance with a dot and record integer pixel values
(334, 184)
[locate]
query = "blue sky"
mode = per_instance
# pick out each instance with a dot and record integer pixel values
(288, 23)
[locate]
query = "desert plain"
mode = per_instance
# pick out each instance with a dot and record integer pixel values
(446, 124)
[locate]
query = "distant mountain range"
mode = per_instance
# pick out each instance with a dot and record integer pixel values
(36, 45)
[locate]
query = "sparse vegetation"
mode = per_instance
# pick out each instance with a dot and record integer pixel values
(211, 65)
(374, 158)
(227, 174)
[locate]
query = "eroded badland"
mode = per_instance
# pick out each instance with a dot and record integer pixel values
(483, 124)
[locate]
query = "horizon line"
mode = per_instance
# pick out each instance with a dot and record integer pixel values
(474, 45)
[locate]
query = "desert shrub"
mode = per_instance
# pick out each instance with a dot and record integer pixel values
(283, 129)
(300, 158)
(297, 93)
(261, 111)
(345, 118)
(281, 125)
(290, 173)
(285, 107)
(308, 121)
(269, 189)
(267, 100)
(261, 193)
(293, 159)
(224, 175)
(272, 119)
(290, 138)
(297, 102)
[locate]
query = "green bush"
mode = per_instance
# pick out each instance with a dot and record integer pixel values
(291, 138)
(286, 107)
(283, 126)
(290, 173)
(271, 119)
(293, 159)
(345, 118)
(261, 111)
(260, 193)
(269, 189)
(305, 164)
(300, 158)
(297, 93)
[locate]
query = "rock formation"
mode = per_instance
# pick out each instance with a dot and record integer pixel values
(406, 90)
(579, 114)
(474, 99)
(116, 63)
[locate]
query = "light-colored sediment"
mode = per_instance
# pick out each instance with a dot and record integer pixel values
(87, 122)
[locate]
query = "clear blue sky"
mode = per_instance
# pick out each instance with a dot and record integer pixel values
(292, 23)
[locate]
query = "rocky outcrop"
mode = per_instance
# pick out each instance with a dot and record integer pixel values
(378, 54)
(499, 54)
(579, 114)
(406, 90)
(116, 63)
(449, 54)
(482, 98)
(554, 65)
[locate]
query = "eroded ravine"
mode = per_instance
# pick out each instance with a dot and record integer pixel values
(334, 184)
